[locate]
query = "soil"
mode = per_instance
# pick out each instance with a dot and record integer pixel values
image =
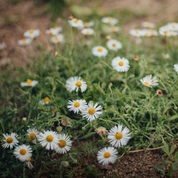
(15, 19)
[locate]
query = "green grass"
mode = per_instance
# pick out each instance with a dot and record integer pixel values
(150, 118)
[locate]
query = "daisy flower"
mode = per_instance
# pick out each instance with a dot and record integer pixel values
(10, 140)
(88, 31)
(48, 139)
(32, 33)
(29, 83)
(2, 46)
(118, 136)
(76, 23)
(23, 152)
(149, 81)
(76, 105)
(74, 83)
(121, 65)
(114, 45)
(176, 67)
(171, 33)
(110, 20)
(24, 41)
(107, 155)
(114, 29)
(173, 26)
(145, 32)
(32, 133)
(135, 32)
(148, 25)
(54, 31)
(99, 51)
(166, 56)
(64, 144)
(29, 164)
(46, 100)
(164, 30)
(88, 24)
(153, 33)
(92, 112)
(57, 39)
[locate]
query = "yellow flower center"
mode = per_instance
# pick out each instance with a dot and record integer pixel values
(88, 32)
(114, 44)
(152, 32)
(91, 111)
(23, 151)
(46, 99)
(31, 31)
(54, 28)
(56, 38)
(165, 32)
(171, 34)
(107, 154)
(51, 33)
(86, 24)
(110, 19)
(24, 40)
(118, 135)
(173, 26)
(62, 143)
(136, 31)
(49, 138)
(121, 63)
(148, 25)
(146, 34)
(32, 136)
(29, 81)
(76, 104)
(9, 140)
(113, 29)
(78, 84)
(100, 49)
(146, 83)
(29, 159)
(76, 21)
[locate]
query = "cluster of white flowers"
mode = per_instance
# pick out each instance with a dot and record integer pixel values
(61, 143)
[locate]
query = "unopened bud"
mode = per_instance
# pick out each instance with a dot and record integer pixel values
(70, 16)
(159, 92)
(24, 119)
(59, 128)
(65, 163)
(135, 58)
(55, 53)
(108, 38)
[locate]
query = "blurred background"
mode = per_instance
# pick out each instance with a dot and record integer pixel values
(17, 16)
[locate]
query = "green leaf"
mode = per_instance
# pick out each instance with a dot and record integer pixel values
(176, 156)
(170, 171)
(166, 147)
(158, 167)
(169, 162)
(173, 117)
(50, 162)
(172, 149)
(174, 166)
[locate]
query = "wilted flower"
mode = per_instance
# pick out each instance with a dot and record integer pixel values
(101, 130)
(166, 56)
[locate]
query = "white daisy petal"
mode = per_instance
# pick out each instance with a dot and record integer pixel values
(10, 140)
(107, 155)
(114, 45)
(176, 67)
(48, 139)
(92, 112)
(23, 152)
(149, 82)
(87, 31)
(99, 51)
(121, 65)
(74, 83)
(31, 33)
(64, 144)
(77, 105)
(118, 137)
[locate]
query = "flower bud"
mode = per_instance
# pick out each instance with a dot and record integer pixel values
(65, 163)
(159, 92)
(70, 16)
(135, 58)
(24, 119)
(59, 128)
(108, 38)
(55, 53)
